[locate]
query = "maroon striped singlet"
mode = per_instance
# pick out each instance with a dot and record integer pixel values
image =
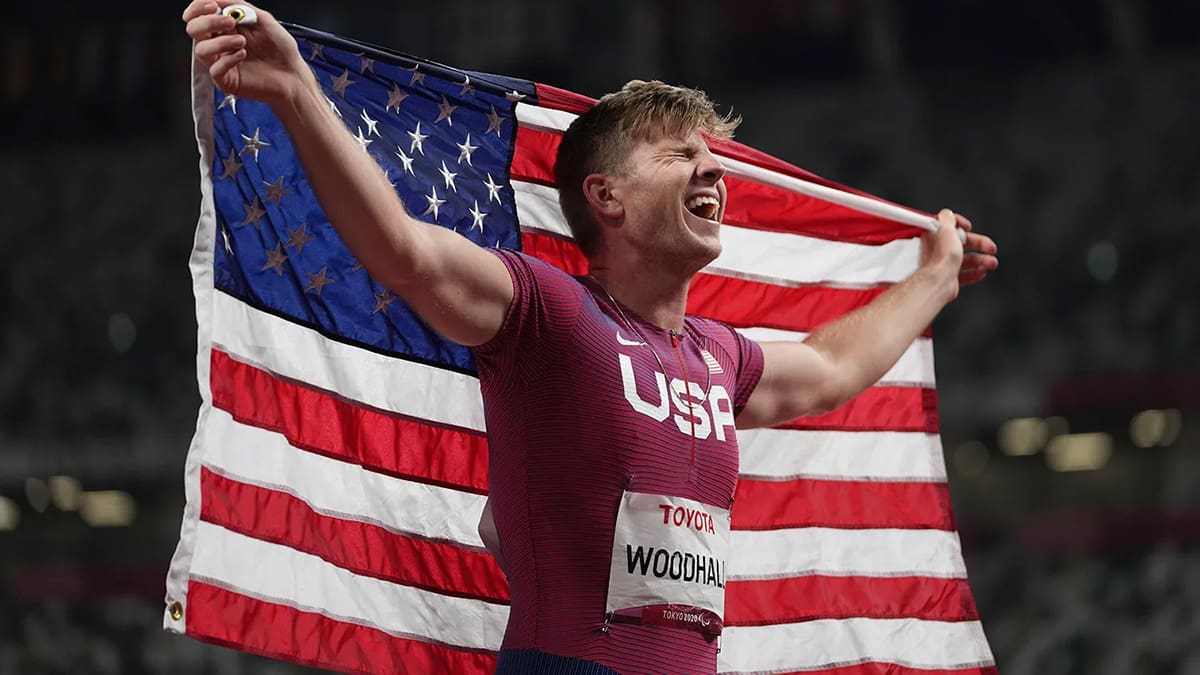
(569, 430)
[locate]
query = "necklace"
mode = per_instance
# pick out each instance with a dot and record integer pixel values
(675, 337)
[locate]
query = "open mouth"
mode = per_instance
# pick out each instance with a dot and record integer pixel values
(703, 206)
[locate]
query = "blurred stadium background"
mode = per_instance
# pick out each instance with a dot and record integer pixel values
(1069, 381)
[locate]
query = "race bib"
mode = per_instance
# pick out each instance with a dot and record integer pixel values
(668, 563)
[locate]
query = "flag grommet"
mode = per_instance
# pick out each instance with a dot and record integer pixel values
(176, 610)
(243, 15)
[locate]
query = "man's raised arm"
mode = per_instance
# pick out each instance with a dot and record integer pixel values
(842, 358)
(460, 289)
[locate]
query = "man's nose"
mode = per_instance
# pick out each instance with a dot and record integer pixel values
(710, 169)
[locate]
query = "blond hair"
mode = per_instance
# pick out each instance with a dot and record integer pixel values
(600, 140)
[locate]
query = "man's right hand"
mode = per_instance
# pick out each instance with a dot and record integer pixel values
(259, 62)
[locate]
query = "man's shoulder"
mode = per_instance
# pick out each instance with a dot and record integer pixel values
(719, 335)
(534, 266)
(711, 328)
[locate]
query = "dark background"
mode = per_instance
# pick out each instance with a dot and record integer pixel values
(1066, 129)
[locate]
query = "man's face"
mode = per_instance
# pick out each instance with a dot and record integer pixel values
(674, 199)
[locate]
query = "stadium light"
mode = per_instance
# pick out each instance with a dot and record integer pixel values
(10, 514)
(1023, 436)
(107, 508)
(1147, 427)
(1079, 452)
(64, 492)
(37, 493)
(1155, 427)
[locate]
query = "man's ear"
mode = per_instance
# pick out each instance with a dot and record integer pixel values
(598, 190)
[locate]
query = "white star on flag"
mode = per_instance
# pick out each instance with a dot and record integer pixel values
(417, 76)
(363, 142)
(434, 202)
(253, 144)
(417, 139)
(477, 216)
(465, 149)
(445, 109)
(395, 98)
(493, 189)
(405, 160)
(449, 177)
(371, 124)
(333, 106)
(341, 82)
(494, 122)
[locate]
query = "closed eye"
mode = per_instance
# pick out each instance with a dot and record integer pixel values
(685, 151)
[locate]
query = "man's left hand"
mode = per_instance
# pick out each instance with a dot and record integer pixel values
(979, 254)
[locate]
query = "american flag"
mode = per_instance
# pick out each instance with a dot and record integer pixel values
(338, 470)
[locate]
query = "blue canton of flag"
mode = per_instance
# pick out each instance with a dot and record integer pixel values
(444, 137)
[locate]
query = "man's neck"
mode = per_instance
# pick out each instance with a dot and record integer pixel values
(654, 292)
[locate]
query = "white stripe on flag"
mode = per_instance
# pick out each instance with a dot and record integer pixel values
(915, 367)
(295, 352)
(783, 454)
(279, 574)
(758, 254)
(773, 554)
(558, 121)
(828, 643)
(546, 119)
(264, 458)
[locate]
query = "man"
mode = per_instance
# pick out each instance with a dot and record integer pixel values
(611, 414)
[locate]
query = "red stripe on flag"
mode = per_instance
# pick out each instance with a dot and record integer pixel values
(562, 253)
(362, 548)
(879, 409)
(773, 505)
(318, 422)
(742, 303)
(737, 302)
(876, 668)
(807, 598)
(277, 631)
(549, 96)
(765, 207)
(751, 204)
(533, 155)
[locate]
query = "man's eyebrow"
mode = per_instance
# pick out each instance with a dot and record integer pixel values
(681, 145)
